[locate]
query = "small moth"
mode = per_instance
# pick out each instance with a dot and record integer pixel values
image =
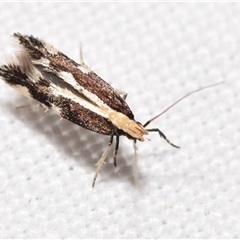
(72, 90)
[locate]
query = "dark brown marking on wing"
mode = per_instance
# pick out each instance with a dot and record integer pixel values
(14, 76)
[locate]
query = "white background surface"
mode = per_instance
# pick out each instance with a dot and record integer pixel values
(157, 52)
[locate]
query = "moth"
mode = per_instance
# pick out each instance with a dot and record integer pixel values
(75, 92)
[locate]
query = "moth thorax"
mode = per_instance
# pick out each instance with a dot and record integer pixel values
(131, 127)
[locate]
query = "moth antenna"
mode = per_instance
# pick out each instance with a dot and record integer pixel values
(179, 100)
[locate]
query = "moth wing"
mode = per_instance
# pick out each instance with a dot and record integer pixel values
(59, 64)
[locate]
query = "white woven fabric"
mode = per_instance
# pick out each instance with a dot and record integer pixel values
(157, 52)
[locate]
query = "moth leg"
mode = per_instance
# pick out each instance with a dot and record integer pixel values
(34, 106)
(135, 164)
(81, 55)
(29, 106)
(122, 94)
(116, 150)
(162, 135)
(86, 67)
(100, 162)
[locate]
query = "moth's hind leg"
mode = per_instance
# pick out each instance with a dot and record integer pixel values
(101, 161)
(86, 67)
(122, 94)
(46, 108)
(81, 54)
(29, 106)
